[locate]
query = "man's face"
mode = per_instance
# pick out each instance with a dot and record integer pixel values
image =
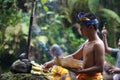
(83, 30)
(119, 43)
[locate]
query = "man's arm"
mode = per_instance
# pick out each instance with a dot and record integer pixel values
(114, 70)
(76, 55)
(104, 38)
(99, 54)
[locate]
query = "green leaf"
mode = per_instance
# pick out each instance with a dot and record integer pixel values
(17, 28)
(93, 5)
(45, 8)
(6, 46)
(11, 52)
(110, 14)
(43, 1)
(50, 12)
(43, 39)
(9, 31)
(25, 28)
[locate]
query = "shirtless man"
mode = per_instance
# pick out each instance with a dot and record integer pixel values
(92, 50)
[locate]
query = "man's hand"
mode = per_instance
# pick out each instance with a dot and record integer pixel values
(104, 31)
(114, 70)
(47, 65)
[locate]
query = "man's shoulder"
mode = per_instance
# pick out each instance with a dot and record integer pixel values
(99, 43)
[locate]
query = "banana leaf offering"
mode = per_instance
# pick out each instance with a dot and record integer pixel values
(68, 62)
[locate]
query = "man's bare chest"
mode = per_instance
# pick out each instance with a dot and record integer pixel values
(88, 50)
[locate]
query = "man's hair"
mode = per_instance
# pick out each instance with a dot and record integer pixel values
(91, 16)
(93, 19)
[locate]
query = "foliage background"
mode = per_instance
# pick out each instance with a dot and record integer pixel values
(53, 23)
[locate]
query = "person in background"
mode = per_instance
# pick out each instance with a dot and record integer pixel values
(114, 52)
(92, 50)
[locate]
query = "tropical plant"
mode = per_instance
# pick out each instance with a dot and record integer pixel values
(11, 33)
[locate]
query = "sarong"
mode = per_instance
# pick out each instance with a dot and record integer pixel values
(96, 76)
